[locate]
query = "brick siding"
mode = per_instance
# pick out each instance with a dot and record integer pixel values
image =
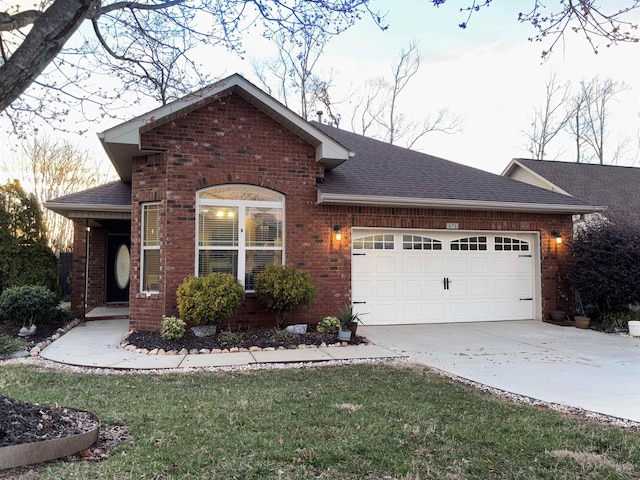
(230, 141)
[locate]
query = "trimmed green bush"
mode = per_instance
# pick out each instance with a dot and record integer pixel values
(284, 289)
(211, 299)
(328, 324)
(172, 328)
(26, 304)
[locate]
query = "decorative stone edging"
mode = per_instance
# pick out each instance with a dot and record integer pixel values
(205, 351)
(13, 456)
(35, 350)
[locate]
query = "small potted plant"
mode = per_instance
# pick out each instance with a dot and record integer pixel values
(348, 323)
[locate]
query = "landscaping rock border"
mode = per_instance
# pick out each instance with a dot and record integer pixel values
(35, 350)
(205, 351)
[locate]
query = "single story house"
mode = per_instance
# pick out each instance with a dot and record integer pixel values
(229, 180)
(613, 186)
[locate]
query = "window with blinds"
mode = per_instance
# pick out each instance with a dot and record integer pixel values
(150, 267)
(240, 231)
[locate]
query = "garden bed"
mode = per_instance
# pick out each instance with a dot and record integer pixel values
(259, 337)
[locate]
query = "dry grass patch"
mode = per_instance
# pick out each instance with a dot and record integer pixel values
(594, 460)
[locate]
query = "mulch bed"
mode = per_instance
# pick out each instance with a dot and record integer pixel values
(258, 337)
(43, 331)
(22, 422)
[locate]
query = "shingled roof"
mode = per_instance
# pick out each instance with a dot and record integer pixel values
(616, 187)
(112, 198)
(384, 174)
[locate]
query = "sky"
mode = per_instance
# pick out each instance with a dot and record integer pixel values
(489, 74)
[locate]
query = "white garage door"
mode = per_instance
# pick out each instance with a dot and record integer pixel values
(403, 277)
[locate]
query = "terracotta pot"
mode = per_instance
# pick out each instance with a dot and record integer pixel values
(558, 315)
(582, 322)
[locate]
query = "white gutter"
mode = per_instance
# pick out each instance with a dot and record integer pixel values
(439, 203)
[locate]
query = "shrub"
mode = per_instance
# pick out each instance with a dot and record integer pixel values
(211, 299)
(284, 336)
(618, 318)
(9, 345)
(328, 324)
(26, 304)
(284, 289)
(603, 266)
(172, 328)
(56, 315)
(228, 339)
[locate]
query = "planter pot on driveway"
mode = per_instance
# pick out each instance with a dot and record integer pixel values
(634, 328)
(582, 322)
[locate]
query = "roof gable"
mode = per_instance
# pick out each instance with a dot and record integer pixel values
(122, 142)
(614, 186)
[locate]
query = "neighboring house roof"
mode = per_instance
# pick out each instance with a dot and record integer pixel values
(111, 200)
(122, 142)
(615, 187)
(388, 175)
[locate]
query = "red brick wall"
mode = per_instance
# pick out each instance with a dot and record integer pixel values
(230, 141)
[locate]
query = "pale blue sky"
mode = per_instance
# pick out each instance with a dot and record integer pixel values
(489, 73)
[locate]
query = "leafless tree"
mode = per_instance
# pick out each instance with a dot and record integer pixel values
(46, 61)
(55, 168)
(596, 114)
(293, 74)
(553, 20)
(550, 119)
(590, 116)
(377, 111)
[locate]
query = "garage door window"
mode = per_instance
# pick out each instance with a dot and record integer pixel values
(418, 242)
(374, 242)
(469, 243)
(507, 244)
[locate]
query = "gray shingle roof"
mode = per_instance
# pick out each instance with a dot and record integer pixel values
(616, 187)
(381, 169)
(117, 194)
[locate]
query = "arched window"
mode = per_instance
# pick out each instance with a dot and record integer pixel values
(240, 230)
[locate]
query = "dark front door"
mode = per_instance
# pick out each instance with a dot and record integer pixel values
(118, 267)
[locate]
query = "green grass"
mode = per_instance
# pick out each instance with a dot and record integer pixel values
(9, 345)
(355, 422)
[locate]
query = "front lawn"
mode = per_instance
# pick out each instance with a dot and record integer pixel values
(369, 422)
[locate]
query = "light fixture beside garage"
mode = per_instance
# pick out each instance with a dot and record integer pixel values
(557, 237)
(337, 231)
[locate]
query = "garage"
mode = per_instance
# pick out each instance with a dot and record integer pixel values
(441, 276)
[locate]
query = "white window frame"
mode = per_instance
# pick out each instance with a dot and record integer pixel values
(242, 206)
(143, 248)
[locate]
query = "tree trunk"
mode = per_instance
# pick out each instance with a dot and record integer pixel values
(43, 43)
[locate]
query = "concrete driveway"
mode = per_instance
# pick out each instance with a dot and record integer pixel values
(566, 365)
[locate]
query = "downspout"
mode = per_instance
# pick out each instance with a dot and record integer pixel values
(86, 271)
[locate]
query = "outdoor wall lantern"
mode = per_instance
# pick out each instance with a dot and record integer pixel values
(557, 236)
(337, 230)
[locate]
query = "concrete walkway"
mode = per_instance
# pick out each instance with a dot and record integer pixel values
(97, 344)
(565, 365)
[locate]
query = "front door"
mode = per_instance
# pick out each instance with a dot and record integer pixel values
(118, 267)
